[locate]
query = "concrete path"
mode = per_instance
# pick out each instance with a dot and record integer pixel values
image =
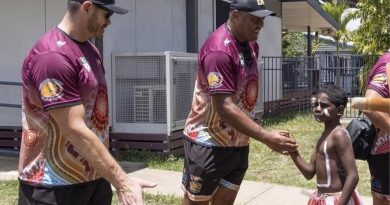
(169, 183)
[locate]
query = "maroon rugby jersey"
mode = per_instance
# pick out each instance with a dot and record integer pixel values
(222, 68)
(378, 81)
(57, 72)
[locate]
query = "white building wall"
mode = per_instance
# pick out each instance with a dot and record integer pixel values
(206, 20)
(22, 22)
(270, 42)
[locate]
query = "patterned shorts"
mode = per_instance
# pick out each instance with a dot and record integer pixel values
(333, 199)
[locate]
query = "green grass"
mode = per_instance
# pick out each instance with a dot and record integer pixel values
(154, 160)
(8, 192)
(154, 199)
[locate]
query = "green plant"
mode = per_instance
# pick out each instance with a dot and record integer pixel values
(372, 37)
(293, 44)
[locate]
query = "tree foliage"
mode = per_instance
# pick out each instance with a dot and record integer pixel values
(373, 35)
(336, 10)
(293, 44)
(372, 38)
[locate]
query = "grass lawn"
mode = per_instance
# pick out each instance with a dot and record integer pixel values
(8, 192)
(265, 165)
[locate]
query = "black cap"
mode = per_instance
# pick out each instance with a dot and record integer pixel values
(108, 4)
(254, 7)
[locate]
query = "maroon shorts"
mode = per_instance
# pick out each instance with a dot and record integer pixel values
(206, 168)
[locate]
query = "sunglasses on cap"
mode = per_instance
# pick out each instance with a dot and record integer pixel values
(108, 14)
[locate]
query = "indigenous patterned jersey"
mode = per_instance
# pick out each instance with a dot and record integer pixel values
(378, 81)
(224, 66)
(59, 72)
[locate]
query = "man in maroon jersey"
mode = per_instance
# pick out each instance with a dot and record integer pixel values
(64, 157)
(379, 160)
(220, 123)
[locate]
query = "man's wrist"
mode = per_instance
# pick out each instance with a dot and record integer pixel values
(263, 135)
(119, 179)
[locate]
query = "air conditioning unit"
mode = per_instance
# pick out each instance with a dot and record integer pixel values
(150, 104)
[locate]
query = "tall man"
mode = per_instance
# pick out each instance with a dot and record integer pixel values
(64, 157)
(379, 160)
(220, 123)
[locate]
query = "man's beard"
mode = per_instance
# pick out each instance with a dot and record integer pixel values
(94, 28)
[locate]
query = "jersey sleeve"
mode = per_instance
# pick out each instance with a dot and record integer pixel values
(378, 81)
(55, 80)
(219, 71)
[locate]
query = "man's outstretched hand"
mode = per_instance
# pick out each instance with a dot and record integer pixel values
(131, 191)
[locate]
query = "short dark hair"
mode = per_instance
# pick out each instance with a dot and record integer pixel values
(73, 5)
(336, 94)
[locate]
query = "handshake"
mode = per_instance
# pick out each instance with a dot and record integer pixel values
(280, 141)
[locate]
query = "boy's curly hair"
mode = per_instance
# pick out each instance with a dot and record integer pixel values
(336, 94)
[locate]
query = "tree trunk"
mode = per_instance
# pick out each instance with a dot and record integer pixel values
(338, 67)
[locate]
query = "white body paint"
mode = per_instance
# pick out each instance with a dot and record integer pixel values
(327, 167)
(326, 112)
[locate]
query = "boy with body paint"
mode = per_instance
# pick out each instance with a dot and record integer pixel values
(332, 161)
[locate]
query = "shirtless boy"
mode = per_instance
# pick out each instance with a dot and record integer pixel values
(332, 161)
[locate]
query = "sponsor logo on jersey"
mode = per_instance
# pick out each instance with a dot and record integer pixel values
(60, 43)
(214, 79)
(226, 42)
(51, 89)
(382, 145)
(85, 63)
(379, 80)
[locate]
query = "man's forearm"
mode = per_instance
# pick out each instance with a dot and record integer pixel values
(381, 120)
(228, 111)
(242, 123)
(89, 146)
(70, 121)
